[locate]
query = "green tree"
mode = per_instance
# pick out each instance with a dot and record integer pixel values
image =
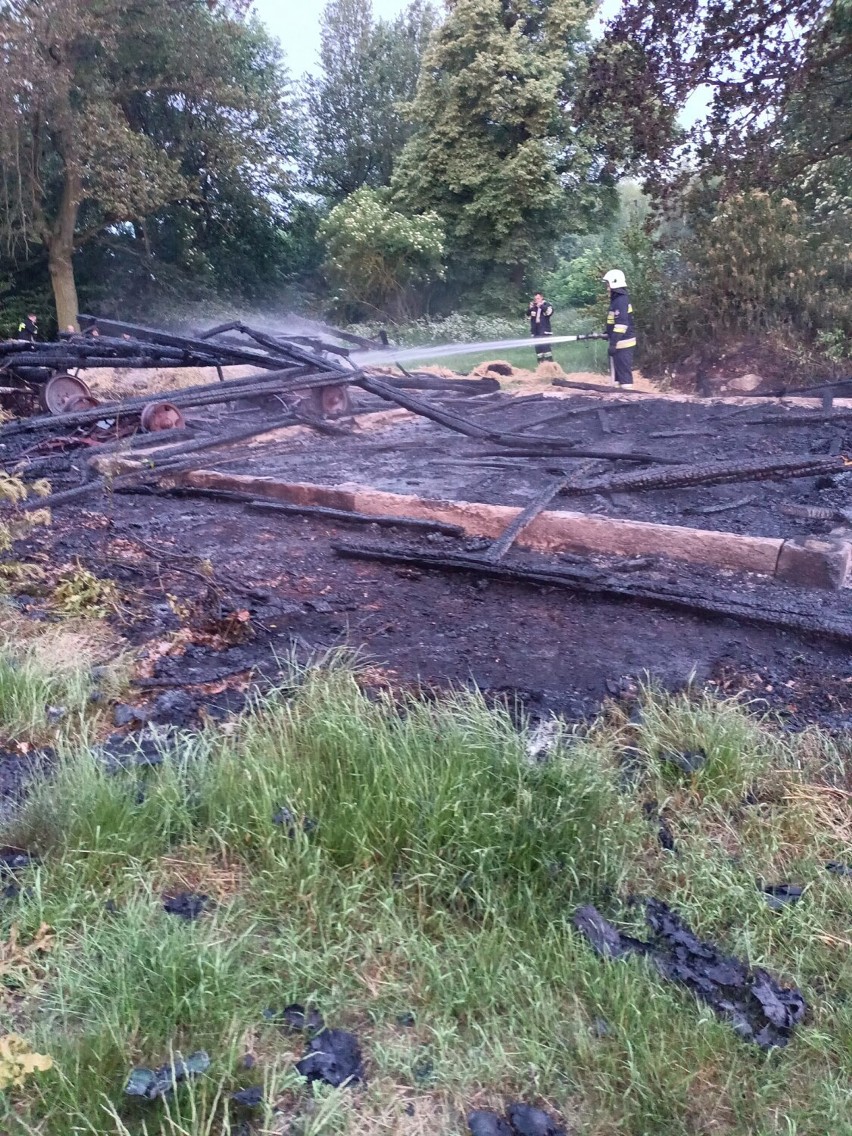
(757, 194)
(378, 258)
(814, 165)
(494, 154)
(354, 121)
(752, 63)
(576, 279)
(756, 266)
(111, 110)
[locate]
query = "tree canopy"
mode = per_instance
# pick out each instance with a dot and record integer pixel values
(378, 257)
(111, 110)
(355, 120)
(495, 155)
(753, 63)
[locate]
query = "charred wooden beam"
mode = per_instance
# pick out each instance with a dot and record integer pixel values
(712, 473)
(791, 418)
(591, 581)
(107, 344)
(95, 362)
(512, 445)
(278, 346)
(417, 380)
(598, 388)
(419, 406)
(319, 345)
(143, 440)
(512, 531)
(346, 336)
(230, 353)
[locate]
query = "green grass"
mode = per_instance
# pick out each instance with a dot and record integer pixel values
(589, 355)
(48, 674)
(439, 881)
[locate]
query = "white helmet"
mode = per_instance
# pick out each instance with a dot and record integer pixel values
(615, 278)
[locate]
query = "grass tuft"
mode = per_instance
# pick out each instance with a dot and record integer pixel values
(54, 678)
(736, 750)
(404, 867)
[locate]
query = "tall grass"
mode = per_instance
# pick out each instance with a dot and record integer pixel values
(49, 673)
(29, 691)
(407, 869)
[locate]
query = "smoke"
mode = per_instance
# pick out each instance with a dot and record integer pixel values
(195, 319)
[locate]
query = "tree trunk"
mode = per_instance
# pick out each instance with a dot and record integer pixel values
(64, 287)
(60, 246)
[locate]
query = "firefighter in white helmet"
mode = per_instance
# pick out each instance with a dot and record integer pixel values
(620, 330)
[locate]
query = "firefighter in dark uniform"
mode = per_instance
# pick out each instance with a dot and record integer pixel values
(539, 313)
(28, 328)
(620, 330)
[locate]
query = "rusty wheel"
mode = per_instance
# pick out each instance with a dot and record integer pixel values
(59, 392)
(335, 400)
(81, 402)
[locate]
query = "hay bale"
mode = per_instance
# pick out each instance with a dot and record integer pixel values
(549, 370)
(493, 367)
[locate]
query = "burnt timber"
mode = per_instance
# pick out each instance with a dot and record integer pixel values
(650, 460)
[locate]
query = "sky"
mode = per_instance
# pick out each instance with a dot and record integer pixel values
(297, 26)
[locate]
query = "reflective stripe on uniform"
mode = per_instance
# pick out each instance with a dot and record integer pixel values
(620, 328)
(625, 343)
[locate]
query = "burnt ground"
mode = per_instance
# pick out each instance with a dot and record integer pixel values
(715, 366)
(278, 588)
(423, 458)
(556, 651)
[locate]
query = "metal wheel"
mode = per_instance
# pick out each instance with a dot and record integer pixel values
(335, 400)
(81, 402)
(58, 392)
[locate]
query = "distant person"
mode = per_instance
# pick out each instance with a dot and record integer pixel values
(28, 328)
(539, 312)
(620, 330)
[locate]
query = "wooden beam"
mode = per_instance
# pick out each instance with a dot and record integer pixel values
(549, 532)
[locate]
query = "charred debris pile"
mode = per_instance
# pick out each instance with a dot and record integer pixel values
(314, 381)
(299, 380)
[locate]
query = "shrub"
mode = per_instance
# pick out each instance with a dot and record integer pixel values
(378, 257)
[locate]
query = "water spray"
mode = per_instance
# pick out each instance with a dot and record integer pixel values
(408, 354)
